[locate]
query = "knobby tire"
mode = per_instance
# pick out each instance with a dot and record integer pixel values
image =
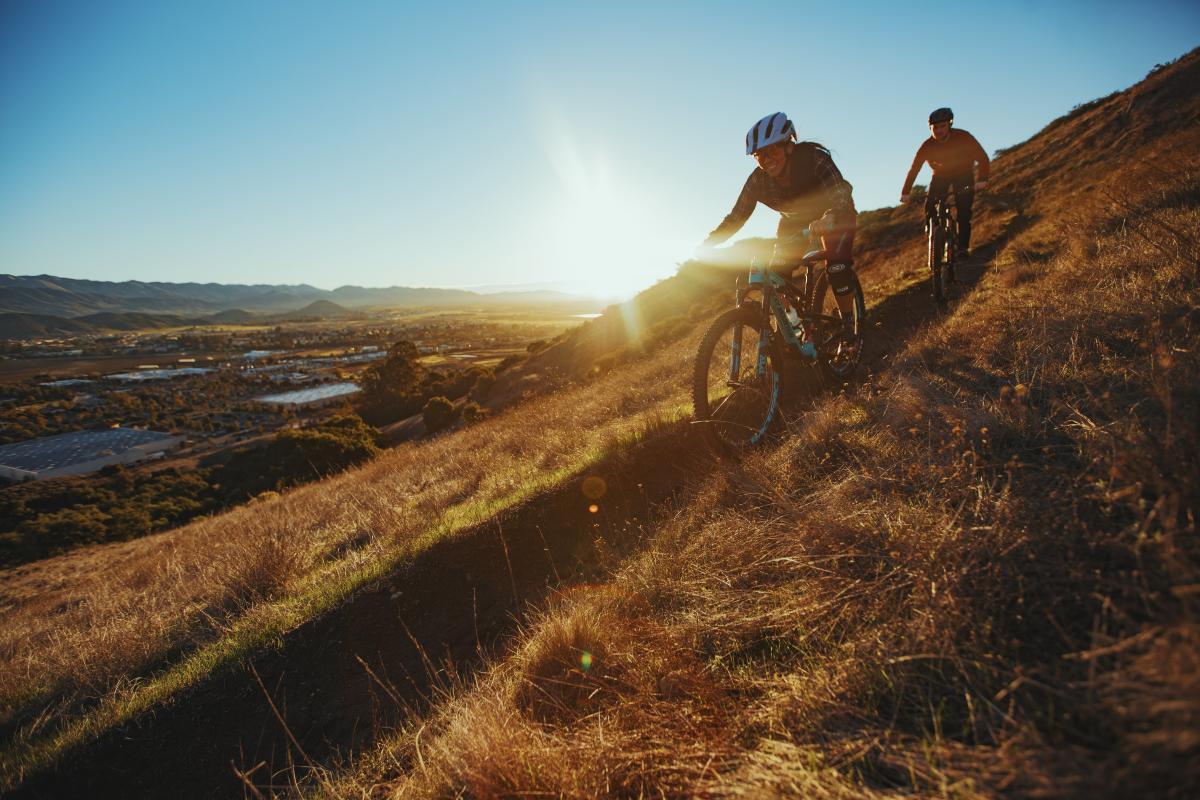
(739, 413)
(937, 252)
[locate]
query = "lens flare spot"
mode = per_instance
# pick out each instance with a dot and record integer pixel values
(585, 661)
(593, 508)
(594, 487)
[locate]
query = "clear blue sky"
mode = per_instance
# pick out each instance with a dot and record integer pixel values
(455, 144)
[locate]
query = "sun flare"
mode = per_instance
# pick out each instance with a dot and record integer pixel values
(604, 233)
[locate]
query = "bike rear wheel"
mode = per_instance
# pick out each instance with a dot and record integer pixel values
(737, 383)
(838, 335)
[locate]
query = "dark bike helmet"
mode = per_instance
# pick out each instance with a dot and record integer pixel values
(941, 115)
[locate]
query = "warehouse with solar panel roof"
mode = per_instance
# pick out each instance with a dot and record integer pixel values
(81, 452)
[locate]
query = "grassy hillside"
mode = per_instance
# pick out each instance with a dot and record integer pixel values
(972, 573)
(93, 638)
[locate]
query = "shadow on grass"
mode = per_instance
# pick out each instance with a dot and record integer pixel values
(420, 628)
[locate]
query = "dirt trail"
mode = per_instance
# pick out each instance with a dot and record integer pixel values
(458, 599)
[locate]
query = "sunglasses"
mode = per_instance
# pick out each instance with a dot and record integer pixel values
(763, 152)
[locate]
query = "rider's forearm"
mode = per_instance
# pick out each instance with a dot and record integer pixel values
(736, 218)
(918, 162)
(728, 227)
(911, 177)
(984, 168)
(838, 191)
(981, 159)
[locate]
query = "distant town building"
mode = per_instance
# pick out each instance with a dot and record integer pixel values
(265, 369)
(67, 382)
(80, 452)
(357, 358)
(310, 398)
(158, 374)
(291, 377)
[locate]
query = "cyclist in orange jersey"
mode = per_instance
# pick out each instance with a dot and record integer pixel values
(954, 156)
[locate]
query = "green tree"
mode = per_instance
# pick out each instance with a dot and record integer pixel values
(439, 413)
(296, 456)
(392, 387)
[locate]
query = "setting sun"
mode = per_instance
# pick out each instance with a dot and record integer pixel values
(604, 233)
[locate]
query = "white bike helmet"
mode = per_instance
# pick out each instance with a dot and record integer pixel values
(769, 130)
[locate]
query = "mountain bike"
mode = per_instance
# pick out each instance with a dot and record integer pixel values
(737, 383)
(941, 225)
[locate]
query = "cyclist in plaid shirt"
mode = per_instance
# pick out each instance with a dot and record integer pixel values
(801, 182)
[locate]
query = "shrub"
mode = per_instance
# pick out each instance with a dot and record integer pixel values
(509, 361)
(439, 414)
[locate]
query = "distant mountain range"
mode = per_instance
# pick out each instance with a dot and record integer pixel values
(25, 326)
(44, 305)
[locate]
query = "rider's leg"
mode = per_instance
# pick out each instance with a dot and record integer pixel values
(839, 245)
(964, 199)
(939, 185)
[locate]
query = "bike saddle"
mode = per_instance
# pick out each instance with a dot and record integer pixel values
(813, 256)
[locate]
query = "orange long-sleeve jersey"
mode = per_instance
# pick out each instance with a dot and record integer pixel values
(956, 155)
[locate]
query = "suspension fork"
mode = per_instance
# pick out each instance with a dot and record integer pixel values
(764, 332)
(735, 357)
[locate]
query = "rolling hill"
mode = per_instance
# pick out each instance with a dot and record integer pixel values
(970, 573)
(28, 326)
(319, 309)
(47, 295)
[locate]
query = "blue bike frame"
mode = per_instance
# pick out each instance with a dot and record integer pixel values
(769, 282)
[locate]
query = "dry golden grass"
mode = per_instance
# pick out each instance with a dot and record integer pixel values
(89, 629)
(975, 575)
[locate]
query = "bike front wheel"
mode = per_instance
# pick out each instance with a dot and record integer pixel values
(939, 242)
(737, 384)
